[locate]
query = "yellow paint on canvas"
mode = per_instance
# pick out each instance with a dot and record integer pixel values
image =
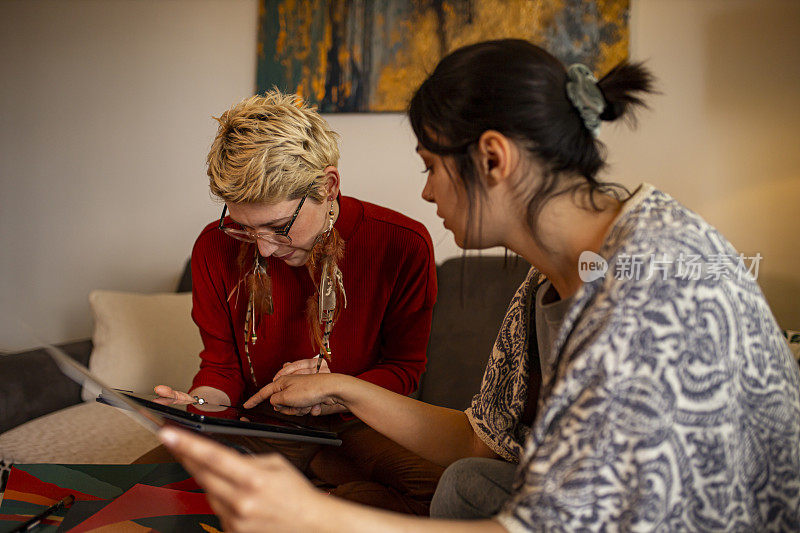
(494, 20)
(417, 41)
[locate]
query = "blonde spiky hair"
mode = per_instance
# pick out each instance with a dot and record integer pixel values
(271, 148)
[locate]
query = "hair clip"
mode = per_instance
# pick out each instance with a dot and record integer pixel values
(585, 96)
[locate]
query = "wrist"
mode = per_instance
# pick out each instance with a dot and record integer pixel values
(317, 516)
(342, 389)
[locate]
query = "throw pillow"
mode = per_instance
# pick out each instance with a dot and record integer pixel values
(143, 340)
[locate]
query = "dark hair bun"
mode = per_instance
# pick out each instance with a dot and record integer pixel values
(622, 88)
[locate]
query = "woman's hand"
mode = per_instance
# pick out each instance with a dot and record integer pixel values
(210, 395)
(247, 493)
(301, 394)
(170, 396)
(303, 366)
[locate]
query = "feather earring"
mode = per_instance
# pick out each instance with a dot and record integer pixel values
(324, 307)
(260, 286)
(259, 299)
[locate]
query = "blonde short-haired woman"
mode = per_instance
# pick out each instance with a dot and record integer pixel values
(295, 278)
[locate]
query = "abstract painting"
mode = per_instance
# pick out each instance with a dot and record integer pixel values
(369, 55)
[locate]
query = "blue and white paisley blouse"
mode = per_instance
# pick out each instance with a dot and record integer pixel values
(668, 403)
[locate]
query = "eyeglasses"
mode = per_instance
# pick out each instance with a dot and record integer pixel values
(280, 236)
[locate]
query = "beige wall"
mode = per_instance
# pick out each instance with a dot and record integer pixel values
(105, 126)
(724, 135)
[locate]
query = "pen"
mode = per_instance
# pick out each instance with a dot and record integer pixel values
(66, 501)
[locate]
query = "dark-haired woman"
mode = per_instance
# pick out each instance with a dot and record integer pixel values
(628, 389)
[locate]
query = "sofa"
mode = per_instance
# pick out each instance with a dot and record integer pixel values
(141, 340)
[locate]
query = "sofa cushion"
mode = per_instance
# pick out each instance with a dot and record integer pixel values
(474, 293)
(185, 283)
(34, 370)
(88, 432)
(142, 340)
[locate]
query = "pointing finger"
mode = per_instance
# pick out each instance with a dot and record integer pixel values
(262, 395)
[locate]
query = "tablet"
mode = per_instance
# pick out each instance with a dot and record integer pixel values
(154, 416)
(261, 421)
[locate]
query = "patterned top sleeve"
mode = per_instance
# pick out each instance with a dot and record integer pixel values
(496, 410)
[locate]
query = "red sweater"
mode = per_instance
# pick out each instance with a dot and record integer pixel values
(381, 336)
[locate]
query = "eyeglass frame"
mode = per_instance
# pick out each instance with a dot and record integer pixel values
(255, 236)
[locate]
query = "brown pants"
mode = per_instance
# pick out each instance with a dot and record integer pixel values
(367, 468)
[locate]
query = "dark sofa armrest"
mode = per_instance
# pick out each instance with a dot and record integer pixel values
(33, 386)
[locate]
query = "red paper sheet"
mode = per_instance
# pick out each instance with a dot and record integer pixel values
(145, 501)
(23, 482)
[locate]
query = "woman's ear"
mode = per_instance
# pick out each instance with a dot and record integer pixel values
(497, 156)
(332, 181)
